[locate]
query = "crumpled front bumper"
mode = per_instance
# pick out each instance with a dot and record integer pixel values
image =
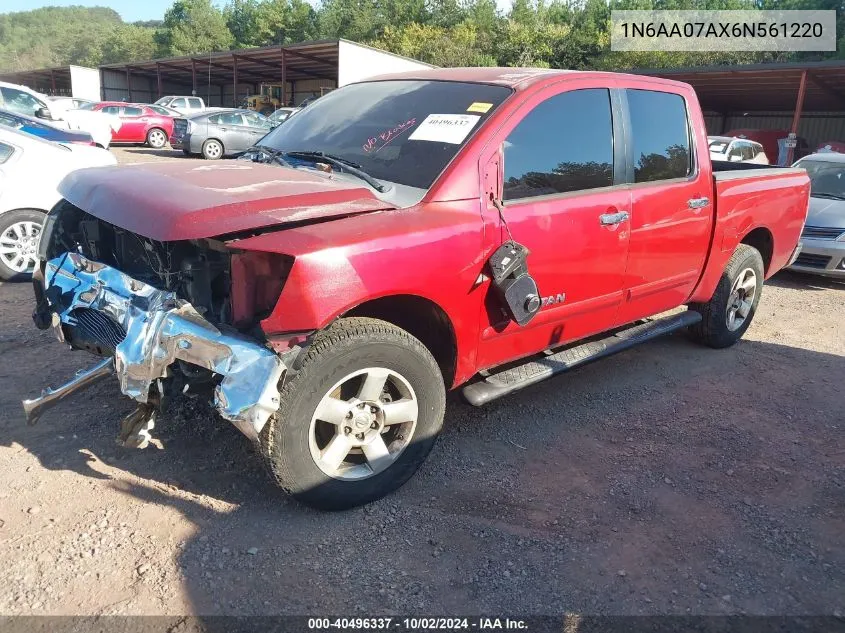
(160, 329)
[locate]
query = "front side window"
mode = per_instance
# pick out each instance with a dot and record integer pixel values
(132, 111)
(404, 131)
(253, 119)
(564, 144)
(660, 135)
(20, 101)
(226, 118)
(111, 109)
(177, 103)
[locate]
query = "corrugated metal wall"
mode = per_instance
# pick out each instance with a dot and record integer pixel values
(816, 127)
(145, 89)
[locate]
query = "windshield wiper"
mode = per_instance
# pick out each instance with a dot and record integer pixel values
(832, 196)
(342, 163)
(275, 155)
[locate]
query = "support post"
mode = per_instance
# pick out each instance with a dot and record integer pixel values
(53, 81)
(194, 77)
(796, 117)
(129, 83)
(235, 73)
(284, 79)
(158, 81)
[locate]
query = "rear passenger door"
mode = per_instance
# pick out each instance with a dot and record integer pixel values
(565, 199)
(133, 125)
(672, 211)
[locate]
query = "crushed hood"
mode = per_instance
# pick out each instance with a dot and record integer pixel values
(192, 199)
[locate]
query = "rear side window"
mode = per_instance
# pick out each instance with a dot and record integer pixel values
(6, 152)
(660, 135)
(132, 111)
(564, 144)
(196, 104)
(226, 118)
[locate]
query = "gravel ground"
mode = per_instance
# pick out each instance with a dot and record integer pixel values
(670, 479)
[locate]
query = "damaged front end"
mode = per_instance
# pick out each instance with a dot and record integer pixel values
(154, 339)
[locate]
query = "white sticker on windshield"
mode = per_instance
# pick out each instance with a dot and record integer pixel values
(445, 128)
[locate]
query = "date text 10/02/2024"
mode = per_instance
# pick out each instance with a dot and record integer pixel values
(417, 624)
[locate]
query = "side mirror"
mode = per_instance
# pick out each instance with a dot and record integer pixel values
(43, 113)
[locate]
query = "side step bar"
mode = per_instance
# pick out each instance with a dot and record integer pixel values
(505, 381)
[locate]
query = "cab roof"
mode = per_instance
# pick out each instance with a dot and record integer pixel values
(516, 78)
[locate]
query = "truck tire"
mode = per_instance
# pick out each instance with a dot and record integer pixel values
(358, 418)
(19, 232)
(726, 317)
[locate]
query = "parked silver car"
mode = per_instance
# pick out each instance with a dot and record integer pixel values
(219, 133)
(823, 239)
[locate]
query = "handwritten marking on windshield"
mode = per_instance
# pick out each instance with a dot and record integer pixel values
(375, 143)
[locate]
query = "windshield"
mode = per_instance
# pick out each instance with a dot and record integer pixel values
(404, 132)
(827, 178)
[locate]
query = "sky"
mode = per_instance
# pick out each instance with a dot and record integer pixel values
(129, 10)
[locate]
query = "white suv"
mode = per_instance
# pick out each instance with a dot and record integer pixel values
(185, 105)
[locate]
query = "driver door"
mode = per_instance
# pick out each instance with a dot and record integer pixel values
(565, 199)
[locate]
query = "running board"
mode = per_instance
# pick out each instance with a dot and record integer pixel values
(496, 385)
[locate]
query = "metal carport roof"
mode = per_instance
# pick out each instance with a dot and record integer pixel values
(758, 87)
(305, 60)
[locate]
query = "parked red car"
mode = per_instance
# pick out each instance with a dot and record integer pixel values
(483, 228)
(141, 123)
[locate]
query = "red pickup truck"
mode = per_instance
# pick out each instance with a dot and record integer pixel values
(479, 228)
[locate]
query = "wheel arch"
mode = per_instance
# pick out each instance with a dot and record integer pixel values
(762, 239)
(422, 318)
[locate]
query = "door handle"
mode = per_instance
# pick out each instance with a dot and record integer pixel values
(698, 203)
(609, 219)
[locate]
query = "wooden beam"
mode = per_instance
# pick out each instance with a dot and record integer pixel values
(129, 83)
(796, 117)
(312, 58)
(194, 77)
(235, 77)
(158, 80)
(284, 79)
(827, 88)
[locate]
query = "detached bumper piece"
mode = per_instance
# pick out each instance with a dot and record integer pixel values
(150, 329)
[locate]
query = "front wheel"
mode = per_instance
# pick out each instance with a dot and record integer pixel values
(726, 317)
(359, 417)
(19, 232)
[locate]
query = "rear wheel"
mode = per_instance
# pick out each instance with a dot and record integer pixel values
(156, 138)
(359, 417)
(212, 149)
(19, 233)
(726, 317)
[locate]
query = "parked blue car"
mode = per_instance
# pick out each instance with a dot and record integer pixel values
(39, 128)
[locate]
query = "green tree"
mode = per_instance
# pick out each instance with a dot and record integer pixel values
(192, 26)
(128, 43)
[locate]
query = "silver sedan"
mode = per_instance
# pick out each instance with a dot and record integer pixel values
(219, 133)
(823, 239)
